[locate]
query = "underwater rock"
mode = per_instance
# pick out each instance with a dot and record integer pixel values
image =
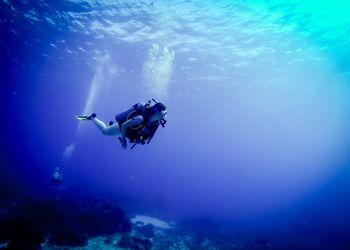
(21, 227)
(21, 233)
(133, 242)
(102, 218)
(65, 221)
(145, 231)
(69, 234)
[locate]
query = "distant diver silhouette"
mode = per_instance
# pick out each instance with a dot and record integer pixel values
(138, 124)
(56, 177)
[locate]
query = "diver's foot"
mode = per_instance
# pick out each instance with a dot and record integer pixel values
(85, 117)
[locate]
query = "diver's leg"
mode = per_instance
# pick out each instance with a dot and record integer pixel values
(113, 129)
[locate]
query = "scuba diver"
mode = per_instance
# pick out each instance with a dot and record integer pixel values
(138, 124)
(56, 177)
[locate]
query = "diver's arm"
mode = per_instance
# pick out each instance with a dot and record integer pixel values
(123, 129)
(137, 120)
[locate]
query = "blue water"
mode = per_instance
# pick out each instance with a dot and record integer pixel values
(258, 97)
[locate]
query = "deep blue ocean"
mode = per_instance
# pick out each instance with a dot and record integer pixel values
(255, 153)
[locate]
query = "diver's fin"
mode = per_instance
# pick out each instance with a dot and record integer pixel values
(81, 117)
(85, 117)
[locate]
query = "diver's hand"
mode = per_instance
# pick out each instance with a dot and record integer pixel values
(123, 142)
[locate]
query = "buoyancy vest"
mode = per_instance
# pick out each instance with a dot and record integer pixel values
(143, 133)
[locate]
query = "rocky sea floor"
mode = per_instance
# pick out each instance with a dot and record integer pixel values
(87, 224)
(174, 240)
